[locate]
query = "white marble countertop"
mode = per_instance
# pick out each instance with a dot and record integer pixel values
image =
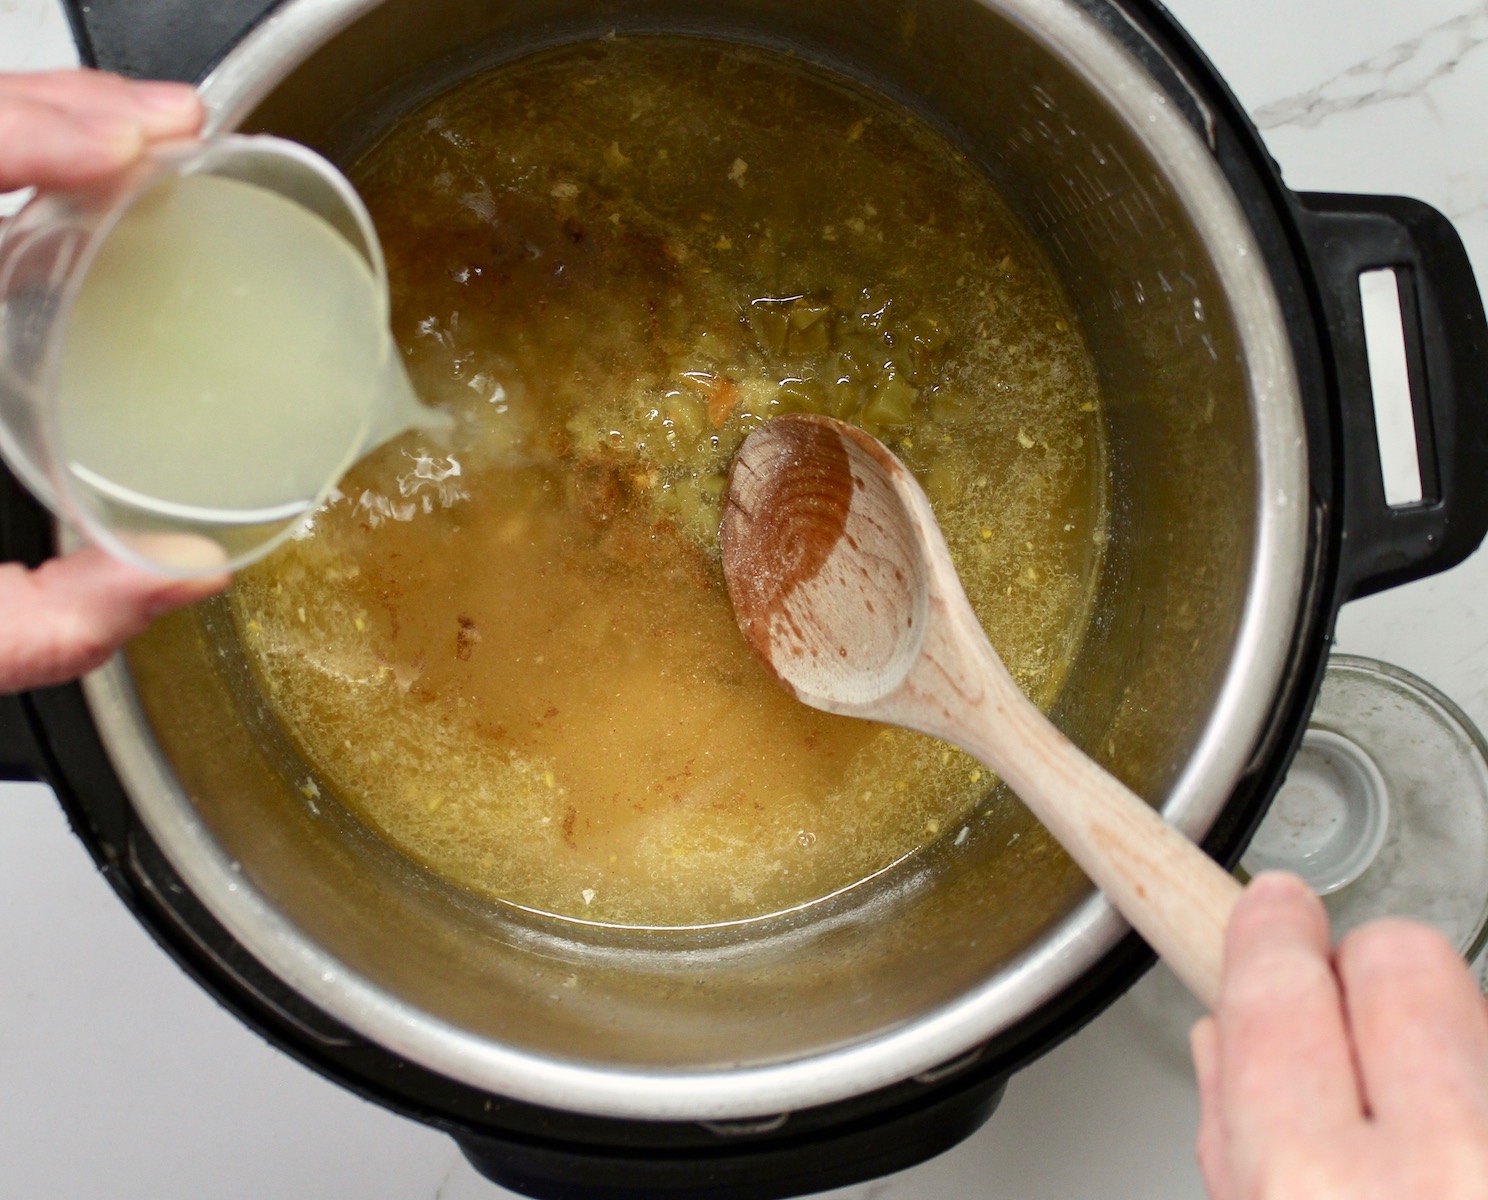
(120, 1078)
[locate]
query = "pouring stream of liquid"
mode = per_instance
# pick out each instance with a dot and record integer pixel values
(842, 583)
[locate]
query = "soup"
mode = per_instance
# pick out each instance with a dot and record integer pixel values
(512, 655)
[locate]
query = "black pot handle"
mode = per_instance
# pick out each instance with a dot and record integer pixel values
(1446, 342)
(25, 532)
(20, 755)
(161, 39)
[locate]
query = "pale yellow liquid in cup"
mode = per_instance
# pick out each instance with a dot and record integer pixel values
(226, 360)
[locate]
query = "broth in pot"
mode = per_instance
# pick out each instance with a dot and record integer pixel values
(512, 654)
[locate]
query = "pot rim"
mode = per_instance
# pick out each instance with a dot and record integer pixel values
(1273, 594)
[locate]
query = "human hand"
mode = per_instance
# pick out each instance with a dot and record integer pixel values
(61, 129)
(64, 129)
(1350, 1074)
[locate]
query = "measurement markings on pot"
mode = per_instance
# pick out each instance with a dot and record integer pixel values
(614, 261)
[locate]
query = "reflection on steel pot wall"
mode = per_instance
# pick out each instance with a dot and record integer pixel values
(1180, 252)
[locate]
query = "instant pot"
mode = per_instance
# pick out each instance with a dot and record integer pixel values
(798, 1054)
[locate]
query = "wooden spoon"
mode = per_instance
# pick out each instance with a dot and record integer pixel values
(843, 585)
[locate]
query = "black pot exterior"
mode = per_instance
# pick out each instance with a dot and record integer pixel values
(1314, 246)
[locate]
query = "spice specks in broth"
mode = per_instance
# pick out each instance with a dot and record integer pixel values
(517, 661)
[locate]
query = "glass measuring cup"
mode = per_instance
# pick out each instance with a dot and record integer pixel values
(242, 499)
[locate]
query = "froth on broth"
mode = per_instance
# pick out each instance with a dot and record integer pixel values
(513, 655)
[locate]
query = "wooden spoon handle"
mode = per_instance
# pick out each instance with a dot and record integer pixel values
(1174, 894)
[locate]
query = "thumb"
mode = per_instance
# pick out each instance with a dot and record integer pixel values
(68, 615)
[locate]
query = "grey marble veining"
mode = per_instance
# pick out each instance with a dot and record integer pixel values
(1406, 70)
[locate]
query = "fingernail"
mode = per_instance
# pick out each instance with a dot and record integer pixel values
(164, 97)
(1278, 885)
(119, 133)
(199, 557)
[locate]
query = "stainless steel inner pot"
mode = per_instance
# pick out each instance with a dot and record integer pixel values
(1194, 621)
